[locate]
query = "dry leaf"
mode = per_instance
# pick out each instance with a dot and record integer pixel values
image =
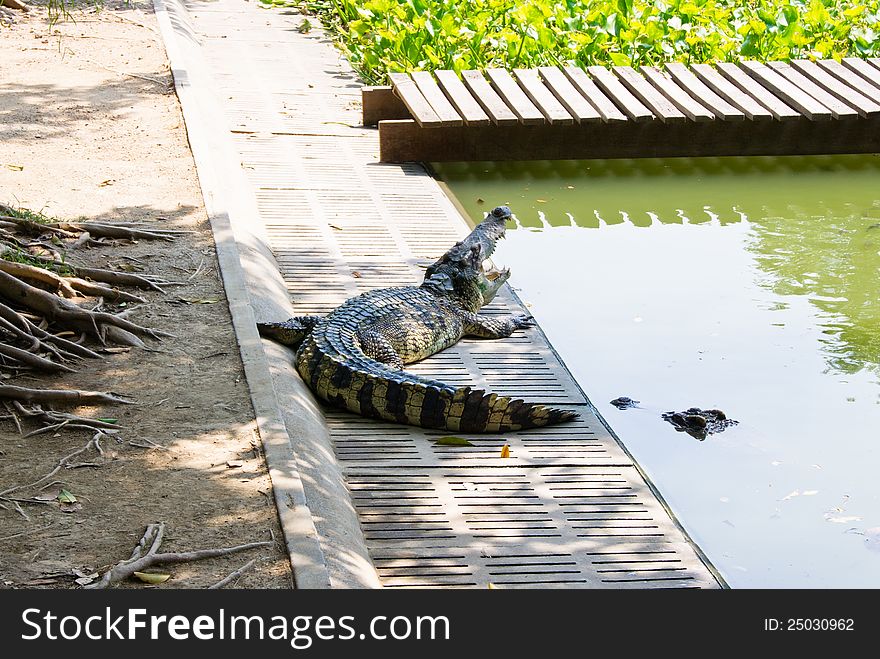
(505, 451)
(67, 507)
(15, 168)
(355, 274)
(232, 464)
(104, 184)
(152, 577)
(453, 441)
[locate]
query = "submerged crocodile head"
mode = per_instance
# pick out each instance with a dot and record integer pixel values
(465, 271)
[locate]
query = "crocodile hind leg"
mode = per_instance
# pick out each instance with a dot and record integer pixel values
(291, 332)
(376, 346)
(489, 327)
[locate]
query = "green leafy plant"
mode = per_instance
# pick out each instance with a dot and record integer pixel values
(383, 36)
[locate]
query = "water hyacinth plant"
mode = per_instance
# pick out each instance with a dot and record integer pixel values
(382, 36)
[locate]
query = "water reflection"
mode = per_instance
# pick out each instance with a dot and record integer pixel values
(811, 237)
(835, 262)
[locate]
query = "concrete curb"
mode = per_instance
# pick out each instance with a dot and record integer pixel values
(321, 529)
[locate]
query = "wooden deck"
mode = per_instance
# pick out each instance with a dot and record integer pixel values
(550, 113)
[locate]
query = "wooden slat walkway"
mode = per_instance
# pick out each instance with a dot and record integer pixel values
(750, 108)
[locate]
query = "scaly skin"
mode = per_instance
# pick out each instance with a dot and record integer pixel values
(354, 357)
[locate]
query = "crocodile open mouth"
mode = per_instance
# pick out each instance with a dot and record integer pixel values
(492, 271)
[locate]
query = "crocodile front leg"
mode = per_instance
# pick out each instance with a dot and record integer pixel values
(489, 327)
(376, 346)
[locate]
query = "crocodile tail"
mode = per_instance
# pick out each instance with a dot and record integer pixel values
(405, 398)
(475, 410)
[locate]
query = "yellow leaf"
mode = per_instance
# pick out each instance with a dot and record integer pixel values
(505, 451)
(152, 577)
(491, 586)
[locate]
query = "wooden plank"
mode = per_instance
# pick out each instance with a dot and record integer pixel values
(435, 96)
(843, 92)
(515, 97)
(608, 83)
(405, 141)
(543, 98)
(839, 110)
(491, 102)
(418, 106)
(378, 103)
(851, 78)
(715, 103)
(461, 98)
(647, 94)
(863, 68)
(680, 98)
(761, 94)
(565, 92)
(731, 93)
(588, 89)
(791, 94)
(875, 61)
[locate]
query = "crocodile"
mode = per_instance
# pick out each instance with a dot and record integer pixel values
(354, 357)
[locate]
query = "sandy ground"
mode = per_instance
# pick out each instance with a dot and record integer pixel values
(90, 126)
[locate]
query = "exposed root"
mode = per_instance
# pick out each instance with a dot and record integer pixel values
(27, 327)
(25, 271)
(56, 309)
(115, 231)
(32, 360)
(145, 555)
(59, 396)
(36, 228)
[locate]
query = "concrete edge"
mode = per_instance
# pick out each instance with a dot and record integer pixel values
(321, 530)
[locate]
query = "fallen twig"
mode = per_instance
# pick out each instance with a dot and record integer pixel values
(150, 543)
(63, 462)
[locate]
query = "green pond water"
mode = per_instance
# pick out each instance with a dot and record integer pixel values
(747, 284)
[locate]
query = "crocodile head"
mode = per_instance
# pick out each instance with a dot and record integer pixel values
(466, 271)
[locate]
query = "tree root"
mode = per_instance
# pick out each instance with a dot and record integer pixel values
(122, 278)
(65, 286)
(32, 360)
(115, 231)
(25, 271)
(29, 329)
(36, 228)
(145, 555)
(59, 396)
(60, 420)
(54, 308)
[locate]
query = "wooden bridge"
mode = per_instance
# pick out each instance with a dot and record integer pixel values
(750, 108)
